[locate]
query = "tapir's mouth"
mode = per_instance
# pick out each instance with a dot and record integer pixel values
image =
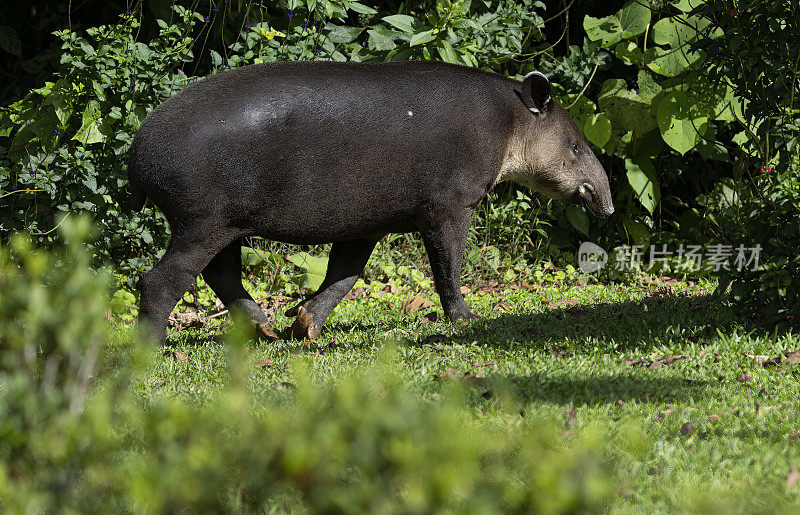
(586, 198)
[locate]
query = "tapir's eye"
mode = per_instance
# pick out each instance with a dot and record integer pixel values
(575, 148)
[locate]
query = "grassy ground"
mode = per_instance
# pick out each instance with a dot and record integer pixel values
(668, 361)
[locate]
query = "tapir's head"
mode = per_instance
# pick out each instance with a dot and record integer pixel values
(548, 153)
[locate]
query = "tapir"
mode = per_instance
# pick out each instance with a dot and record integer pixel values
(343, 153)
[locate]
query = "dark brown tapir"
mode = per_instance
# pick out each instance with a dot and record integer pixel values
(343, 153)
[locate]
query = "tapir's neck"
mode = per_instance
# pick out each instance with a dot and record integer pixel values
(518, 165)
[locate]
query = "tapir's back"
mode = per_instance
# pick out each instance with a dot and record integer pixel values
(344, 144)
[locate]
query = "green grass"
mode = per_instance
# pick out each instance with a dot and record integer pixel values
(532, 357)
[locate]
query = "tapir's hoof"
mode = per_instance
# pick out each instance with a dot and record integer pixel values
(292, 312)
(467, 315)
(304, 328)
(265, 331)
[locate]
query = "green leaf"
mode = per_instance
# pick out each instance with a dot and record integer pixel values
(40, 125)
(379, 41)
(597, 129)
(447, 52)
(9, 41)
(628, 22)
(423, 37)
(637, 231)
(648, 87)
(216, 59)
(629, 52)
(710, 148)
(578, 219)
(362, 9)
(688, 5)
(344, 34)
(578, 107)
(678, 30)
(675, 32)
(315, 269)
(680, 124)
(644, 181)
(401, 21)
(625, 108)
(6, 125)
(634, 18)
(90, 130)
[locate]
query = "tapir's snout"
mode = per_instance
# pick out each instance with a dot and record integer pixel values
(595, 194)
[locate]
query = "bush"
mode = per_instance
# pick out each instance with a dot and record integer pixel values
(75, 436)
(760, 64)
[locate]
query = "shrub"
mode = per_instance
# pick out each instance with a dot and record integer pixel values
(760, 64)
(74, 436)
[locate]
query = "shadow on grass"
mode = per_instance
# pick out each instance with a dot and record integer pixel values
(625, 325)
(564, 388)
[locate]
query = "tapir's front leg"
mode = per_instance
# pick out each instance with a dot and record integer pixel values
(345, 263)
(445, 235)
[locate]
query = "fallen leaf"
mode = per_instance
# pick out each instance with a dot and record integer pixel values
(188, 318)
(430, 317)
(416, 303)
(714, 417)
(570, 413)
(757, 357)
(743, 378)
(665, 360)
(465, 290)
(793, 477)
(450, 373)
(792, 356)
(503, 307)
(633, 362)
(562, 303)
(668, 281)
(687, 429)
(665, 292)
(178, 356)
(391, 288)
(787, 357)
(265, 362)
(620, 402)
(489, 287)
(567, 433)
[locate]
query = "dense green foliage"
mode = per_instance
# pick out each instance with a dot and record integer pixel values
(760, 64)
(682, 120)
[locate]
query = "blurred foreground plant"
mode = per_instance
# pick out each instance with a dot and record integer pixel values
(74, 436)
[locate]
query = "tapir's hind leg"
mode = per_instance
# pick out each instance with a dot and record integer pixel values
(163, 286)
(224, 275)
(346, 261)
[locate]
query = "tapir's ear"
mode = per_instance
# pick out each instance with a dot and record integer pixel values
(535, 92)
